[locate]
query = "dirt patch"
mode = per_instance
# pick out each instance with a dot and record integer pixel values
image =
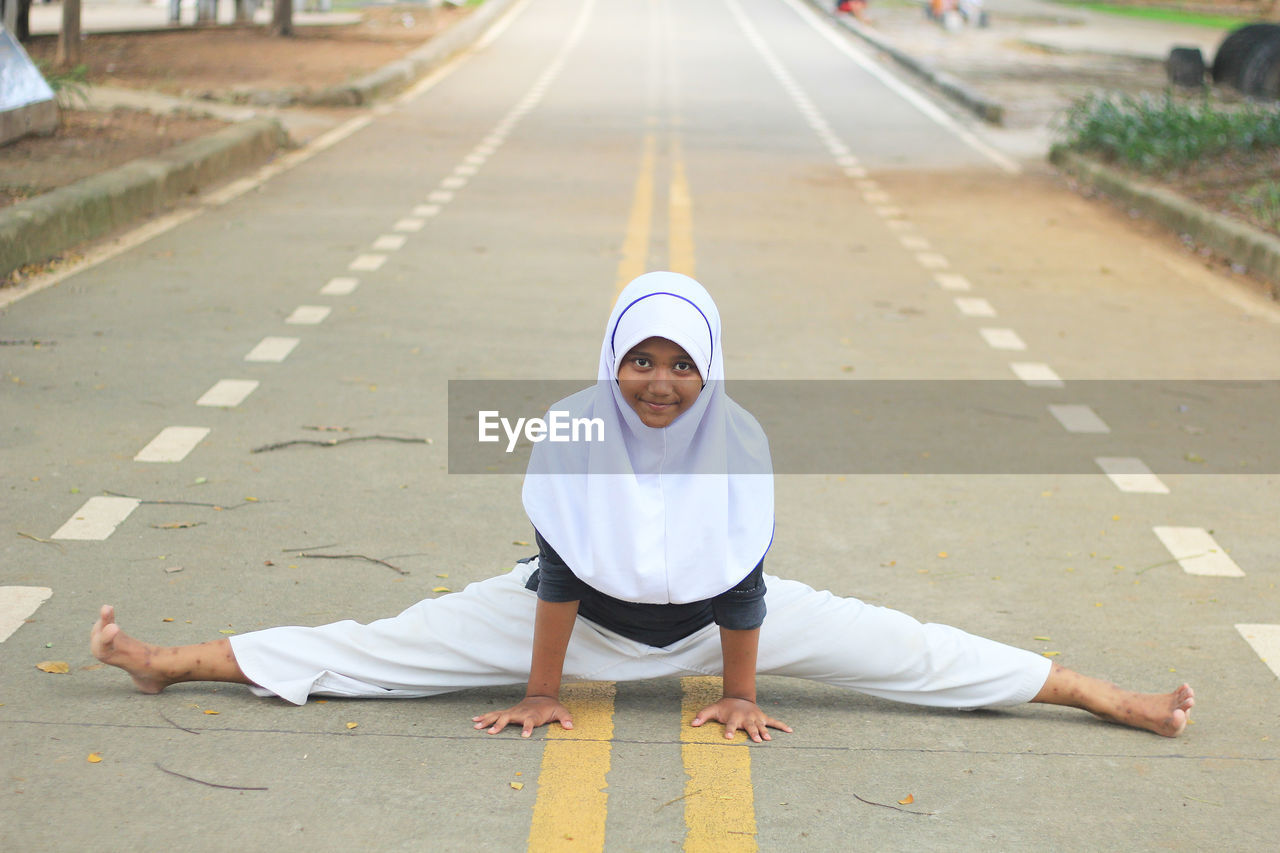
(88, 143)
(223, 63)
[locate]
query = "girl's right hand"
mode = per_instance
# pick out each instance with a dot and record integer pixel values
(531, 711)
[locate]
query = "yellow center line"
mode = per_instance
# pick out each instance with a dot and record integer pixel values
(569, 813)
(680, 215)
(635, 245)
(719, 802)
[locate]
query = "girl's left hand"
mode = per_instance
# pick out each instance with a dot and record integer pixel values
(740, 714)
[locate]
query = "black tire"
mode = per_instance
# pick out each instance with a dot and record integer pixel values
(1261, 77)
(1234, 52)
(1185, 67)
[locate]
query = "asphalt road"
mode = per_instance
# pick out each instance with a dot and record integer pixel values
(478, 228)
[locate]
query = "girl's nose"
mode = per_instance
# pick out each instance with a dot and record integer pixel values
(662, 381)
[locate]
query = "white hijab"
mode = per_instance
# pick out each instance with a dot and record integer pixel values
(657, 515)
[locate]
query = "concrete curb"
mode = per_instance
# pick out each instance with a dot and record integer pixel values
(1132, 55)
(39, 228)
(1240, 243)
(399, 75)
(979, 104)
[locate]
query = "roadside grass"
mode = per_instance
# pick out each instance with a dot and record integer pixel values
(1159, 133)
(1153, 13)
(1263, 201)
(70, 86)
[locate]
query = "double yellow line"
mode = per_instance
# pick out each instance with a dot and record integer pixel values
(635, 245)
(572, 804)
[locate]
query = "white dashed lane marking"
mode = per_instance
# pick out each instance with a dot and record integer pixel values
(440, 197)
(308, 315)
(227, 393)
(341, 286)
(17, 603)
(1036, 373)
(272, 349)
(932, 261)
(1265, 640)
(172, 444)
(1197, 552)
(97, 519)
(951, 281)
(974, 307)
(410, 225)
(367, 263)
(426, 210)
(1077, 418)
(389, 243)
(1131, 475)
(1006, 339)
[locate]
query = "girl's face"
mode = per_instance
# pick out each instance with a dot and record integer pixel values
(659, 381)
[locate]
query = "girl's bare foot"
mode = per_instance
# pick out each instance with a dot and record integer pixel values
(1163, 713)
(111, 645)
(153, 668)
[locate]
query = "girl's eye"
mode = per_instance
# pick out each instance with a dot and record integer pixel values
(683, 366)
(640, 361)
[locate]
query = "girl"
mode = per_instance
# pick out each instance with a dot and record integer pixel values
(650, 563)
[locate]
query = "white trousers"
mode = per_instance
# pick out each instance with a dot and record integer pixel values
(482, 637)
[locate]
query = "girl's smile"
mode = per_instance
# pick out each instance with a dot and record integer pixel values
(659, 381)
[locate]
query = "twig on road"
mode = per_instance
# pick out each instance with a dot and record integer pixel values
(334, 442)
(1167, 562)
(210, 784)
(218, 507)
(41, 541)
(175, 725)
(353, 556)
(887, 806)
(677, 799)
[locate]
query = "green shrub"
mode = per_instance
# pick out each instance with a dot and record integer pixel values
(1159, 133)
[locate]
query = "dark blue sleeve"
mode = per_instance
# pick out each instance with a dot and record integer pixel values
(742, 608)
(556, 581)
